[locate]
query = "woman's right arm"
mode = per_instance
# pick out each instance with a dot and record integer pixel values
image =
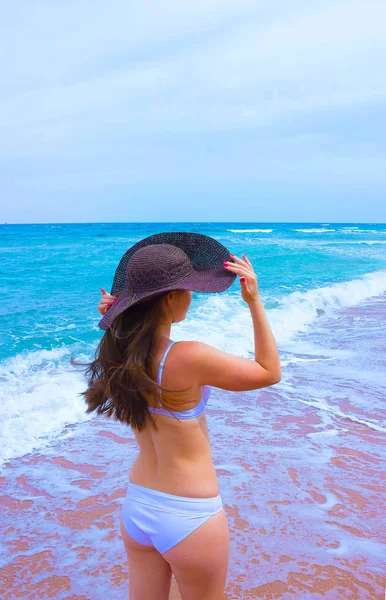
(266, 353)
(234, 373)
(105, 302)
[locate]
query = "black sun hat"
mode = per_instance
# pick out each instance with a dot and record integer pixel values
(168, 261)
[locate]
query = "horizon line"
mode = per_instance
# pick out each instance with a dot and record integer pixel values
(198, 222)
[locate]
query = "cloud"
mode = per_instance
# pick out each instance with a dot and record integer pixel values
(219, 88)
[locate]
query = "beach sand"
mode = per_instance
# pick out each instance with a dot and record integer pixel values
(303, 488)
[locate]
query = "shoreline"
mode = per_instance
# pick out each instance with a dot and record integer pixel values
(61, 510)
(299, 481)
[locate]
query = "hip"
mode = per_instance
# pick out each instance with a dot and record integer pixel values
(154, 518)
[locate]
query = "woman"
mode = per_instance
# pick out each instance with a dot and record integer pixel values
(172, 518)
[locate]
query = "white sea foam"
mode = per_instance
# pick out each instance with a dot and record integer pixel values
(40, 390)
(324, 406)
(352, 242)
(299, 309)
(225, 321)
(356, 230)
(250, 230)
(314, 230)
(297, 359)
(371, 242)
(38, 396)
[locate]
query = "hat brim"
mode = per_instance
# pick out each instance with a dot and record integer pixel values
(208, 276)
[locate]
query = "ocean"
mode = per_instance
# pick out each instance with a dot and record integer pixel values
(50, 280)
(299, 464)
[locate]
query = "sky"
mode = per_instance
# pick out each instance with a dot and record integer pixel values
(204, 110)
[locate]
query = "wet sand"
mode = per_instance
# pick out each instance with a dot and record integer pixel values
(303, 487)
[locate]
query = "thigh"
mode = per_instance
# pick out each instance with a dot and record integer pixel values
(149, 573)
(200, 561)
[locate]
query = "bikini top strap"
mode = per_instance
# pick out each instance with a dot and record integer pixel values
(161, 365)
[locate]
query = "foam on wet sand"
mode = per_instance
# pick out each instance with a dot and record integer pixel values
(300, 473)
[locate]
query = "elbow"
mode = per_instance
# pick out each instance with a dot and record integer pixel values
(276, 377)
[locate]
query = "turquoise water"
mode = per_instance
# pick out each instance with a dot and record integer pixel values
(50, 280)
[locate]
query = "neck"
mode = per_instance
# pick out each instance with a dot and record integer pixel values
(163, 331)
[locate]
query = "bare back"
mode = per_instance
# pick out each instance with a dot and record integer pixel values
(176, 457)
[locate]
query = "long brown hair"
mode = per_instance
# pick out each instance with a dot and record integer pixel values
(119, 382)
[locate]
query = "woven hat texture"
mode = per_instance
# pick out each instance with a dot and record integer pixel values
(168, 261)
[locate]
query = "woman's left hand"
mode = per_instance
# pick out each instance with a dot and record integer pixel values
(106, 301)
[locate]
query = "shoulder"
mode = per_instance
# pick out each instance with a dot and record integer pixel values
(191, 349)
(192, 354)
(182, 364)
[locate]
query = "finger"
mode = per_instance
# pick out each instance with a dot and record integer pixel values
(240, 270)
(105, 306)
(108, 298)
(237, 268)
(103, 291)
(239, 260)
(247, 261)
(244, 282)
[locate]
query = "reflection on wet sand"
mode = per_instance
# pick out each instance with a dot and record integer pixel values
(300, 480)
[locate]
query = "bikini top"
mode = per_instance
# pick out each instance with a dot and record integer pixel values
(191, 413)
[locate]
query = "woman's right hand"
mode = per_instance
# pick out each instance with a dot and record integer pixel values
(105, 302)
(248, 278)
